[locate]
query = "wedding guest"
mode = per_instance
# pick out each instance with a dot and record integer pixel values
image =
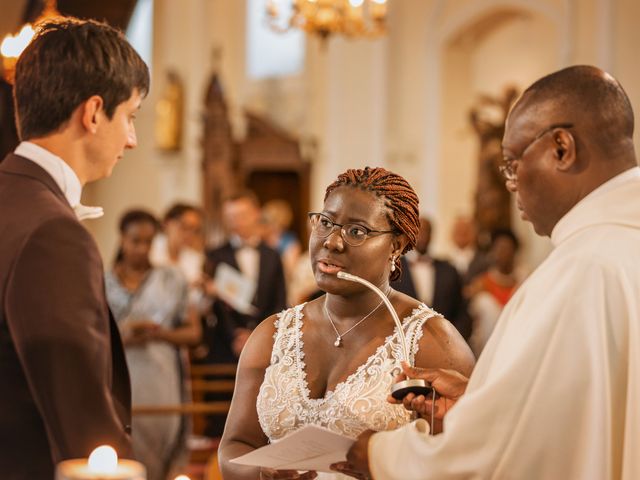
(260, 267)
(248, 254)
(463, 237)
(181, 241)
(468, 259)
(151, 307)
(490, 292)
(277, 217)
(434, 281)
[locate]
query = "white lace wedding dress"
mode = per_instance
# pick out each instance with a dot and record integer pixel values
(357, 404)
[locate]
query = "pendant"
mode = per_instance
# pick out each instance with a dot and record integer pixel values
(338, 341)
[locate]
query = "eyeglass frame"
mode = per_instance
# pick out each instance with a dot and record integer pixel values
(506, 168)
(343, 235)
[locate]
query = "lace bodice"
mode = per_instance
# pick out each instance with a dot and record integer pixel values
(357, 404)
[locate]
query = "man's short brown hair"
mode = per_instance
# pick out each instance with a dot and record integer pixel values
(67, 62)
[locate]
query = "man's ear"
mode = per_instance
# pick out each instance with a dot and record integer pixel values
(91, 111)
(564, 146)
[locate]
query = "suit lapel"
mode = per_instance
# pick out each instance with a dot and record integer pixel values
(229, 256)
(17, 165)
(263, 271)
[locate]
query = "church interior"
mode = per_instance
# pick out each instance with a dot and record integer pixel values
(240, 99)
(402, 100)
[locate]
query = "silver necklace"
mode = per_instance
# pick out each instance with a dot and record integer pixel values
(339, 336)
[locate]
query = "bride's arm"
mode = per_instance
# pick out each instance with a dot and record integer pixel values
(242, 432)
(441, 347)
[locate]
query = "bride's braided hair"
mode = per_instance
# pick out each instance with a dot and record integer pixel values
(400, 199)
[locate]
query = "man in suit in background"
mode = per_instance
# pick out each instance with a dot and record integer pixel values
(434, 281)
(248, 254)
(64, 381)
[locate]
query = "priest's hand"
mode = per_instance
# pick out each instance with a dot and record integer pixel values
(272, 474)
(357, 464)
(449, 385)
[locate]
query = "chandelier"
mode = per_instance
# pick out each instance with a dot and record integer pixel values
(352, 18)
(13, 45)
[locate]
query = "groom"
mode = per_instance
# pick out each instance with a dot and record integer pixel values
(63, 377)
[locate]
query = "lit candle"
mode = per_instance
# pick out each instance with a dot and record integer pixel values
(102, 464)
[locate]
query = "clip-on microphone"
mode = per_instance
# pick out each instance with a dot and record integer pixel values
(399, 390)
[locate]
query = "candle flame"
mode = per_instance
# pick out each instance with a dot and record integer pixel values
(103, 459)
(182, 477)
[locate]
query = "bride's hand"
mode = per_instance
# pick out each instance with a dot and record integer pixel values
(346, 468)
(272, 474)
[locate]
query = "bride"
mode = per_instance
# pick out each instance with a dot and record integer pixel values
(331, 362)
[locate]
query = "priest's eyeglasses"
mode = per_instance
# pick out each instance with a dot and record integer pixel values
(353, 234)
(507, 168)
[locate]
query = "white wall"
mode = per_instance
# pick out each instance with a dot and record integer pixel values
(401, 101)
(147, 177)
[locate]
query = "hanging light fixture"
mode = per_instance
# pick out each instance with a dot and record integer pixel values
(13, 45)
(352, 18)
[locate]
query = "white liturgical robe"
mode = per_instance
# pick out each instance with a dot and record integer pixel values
(556, 392)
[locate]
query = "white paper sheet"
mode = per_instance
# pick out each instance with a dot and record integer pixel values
(235, 288)
(310, 448)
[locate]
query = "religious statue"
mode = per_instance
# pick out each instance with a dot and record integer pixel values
(169, 114)
(492, 200)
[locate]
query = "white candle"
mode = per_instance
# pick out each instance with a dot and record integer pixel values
(103, 464)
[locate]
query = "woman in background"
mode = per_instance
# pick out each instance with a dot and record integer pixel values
(150, 305)
(489, 292)
(276, 218)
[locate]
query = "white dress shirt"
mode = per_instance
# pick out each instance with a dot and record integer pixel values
(247, 256)
(423, 274)
(62, 174)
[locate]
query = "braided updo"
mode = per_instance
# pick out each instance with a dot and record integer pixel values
(399, 198)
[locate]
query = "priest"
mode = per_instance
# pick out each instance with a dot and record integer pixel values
(556, 392)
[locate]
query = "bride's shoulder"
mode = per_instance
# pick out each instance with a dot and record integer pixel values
(312, 308)
(407, 307)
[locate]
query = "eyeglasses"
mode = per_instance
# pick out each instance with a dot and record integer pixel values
(507, 168)
(352, 233)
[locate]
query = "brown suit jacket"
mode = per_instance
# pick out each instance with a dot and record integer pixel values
(64, 383)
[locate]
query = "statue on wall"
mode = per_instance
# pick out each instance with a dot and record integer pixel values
(169, 114)
(492, 208)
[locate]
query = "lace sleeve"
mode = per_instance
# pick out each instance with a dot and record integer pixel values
(415, 328)
(282, 334)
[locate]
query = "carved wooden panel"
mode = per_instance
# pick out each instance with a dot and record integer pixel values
(219, 163)
(267, 161)
(272, 166)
